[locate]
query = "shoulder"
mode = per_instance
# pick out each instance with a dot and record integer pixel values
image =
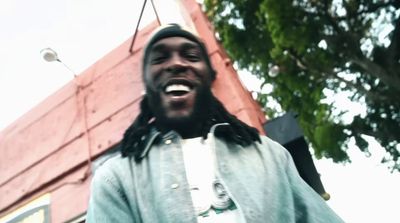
(272, 147)
(109, 197)
(110, 172)
(273, 153)
(108, 165)
(265, 140)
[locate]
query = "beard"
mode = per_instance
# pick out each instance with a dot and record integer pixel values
(200, 112)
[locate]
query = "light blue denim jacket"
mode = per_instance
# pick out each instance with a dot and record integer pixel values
(261, 179)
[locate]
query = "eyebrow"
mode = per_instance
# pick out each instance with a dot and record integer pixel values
(184, 46)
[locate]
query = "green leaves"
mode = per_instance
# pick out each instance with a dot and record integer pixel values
(328, 141)
(321, 45)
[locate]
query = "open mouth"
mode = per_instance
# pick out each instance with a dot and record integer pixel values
(177, 87)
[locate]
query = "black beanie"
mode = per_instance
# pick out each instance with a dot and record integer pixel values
(175, 30)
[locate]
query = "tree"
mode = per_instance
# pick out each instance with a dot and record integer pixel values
(317, 46)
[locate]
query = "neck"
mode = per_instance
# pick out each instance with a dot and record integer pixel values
(190, 131)
(186, 131)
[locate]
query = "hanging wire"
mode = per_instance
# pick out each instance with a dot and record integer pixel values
(140, 19)
(155, 12)
(137, 26)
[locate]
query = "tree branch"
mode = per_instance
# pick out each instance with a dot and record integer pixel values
(371, 9)
(368, 94)
(375, 7)
(377, 71)
(393, 51)
(358, 58)
(303, 64)
(364, 131)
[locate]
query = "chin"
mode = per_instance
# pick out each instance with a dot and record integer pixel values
(178, 121)
(198, 113)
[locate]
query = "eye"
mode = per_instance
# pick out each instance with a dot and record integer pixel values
(158, 57)
(192, 56)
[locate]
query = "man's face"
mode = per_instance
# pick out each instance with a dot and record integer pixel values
(177, 80)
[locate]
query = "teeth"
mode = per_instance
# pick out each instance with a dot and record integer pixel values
(177, 87)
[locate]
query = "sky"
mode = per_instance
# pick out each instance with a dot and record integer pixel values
(83, 31)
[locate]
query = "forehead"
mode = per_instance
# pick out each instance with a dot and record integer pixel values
(170, 43)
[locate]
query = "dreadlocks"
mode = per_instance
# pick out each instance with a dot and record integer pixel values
(134, 140)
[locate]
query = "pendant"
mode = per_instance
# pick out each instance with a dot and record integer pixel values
(221, 199)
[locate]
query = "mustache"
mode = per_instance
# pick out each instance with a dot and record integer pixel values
(189, 77)
(203, 100)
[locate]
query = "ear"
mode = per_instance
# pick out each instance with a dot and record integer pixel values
(145, 76)
(213, 75)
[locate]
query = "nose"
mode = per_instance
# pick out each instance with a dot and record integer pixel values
(176, 64)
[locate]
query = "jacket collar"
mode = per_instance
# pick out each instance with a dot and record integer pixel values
(154, 134)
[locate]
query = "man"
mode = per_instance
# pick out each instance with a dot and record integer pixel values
(186, 159)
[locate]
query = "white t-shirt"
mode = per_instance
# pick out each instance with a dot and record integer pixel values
(210, 200)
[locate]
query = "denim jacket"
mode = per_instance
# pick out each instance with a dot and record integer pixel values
(261, 179)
